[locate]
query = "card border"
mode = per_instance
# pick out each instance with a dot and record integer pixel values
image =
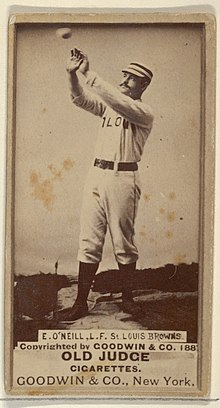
(207, 170)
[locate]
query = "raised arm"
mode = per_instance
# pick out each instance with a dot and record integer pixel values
(81, 97)
(133, 110)
(73, 64)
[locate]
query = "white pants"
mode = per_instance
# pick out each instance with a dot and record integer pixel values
(110, 199)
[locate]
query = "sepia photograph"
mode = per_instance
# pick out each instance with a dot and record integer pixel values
(109, 204)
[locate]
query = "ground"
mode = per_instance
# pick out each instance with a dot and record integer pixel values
(168, 297)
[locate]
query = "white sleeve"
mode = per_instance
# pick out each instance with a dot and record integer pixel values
(89, 102)
(134, 111)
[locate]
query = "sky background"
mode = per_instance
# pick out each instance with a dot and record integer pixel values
(55, 142)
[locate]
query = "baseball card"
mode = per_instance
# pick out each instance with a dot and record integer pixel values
(110, 194)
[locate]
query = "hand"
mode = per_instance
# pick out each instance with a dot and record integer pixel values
(78, 60)
(84, 66)
(74, 61)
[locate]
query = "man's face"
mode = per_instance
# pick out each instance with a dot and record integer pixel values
(131, 85)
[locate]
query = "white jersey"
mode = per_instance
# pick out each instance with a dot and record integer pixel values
(125, 124)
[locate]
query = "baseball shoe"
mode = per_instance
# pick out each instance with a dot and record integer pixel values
(75, 312)
(131, 307)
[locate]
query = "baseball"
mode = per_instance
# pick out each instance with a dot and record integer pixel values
(64, 33)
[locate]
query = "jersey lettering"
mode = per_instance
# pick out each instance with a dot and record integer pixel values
(125, 124)
(118, 121)
(109, 122)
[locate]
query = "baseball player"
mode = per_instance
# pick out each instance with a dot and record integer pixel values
(112, 189)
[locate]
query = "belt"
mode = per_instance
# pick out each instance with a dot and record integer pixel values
(121, 166)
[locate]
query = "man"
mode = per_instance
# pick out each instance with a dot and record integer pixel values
(112, 188)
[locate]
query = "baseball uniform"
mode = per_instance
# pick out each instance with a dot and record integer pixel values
(112, 188)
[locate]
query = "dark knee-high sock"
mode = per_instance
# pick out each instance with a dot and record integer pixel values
(126, 272)
(87, 273)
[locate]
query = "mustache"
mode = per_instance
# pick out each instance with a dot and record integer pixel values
(123, 84)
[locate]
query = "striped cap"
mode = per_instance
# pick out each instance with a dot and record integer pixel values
(139, 70)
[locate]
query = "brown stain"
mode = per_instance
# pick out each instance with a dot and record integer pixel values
(172, 195)
(151, 240)
(180, 258)
(44, 110)
(146, 197)
(68, 164)
(193, 123)
(43, 190)
(56, 173)
(162, 211)
(142, 233)
(169, 234)
(171, 216)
